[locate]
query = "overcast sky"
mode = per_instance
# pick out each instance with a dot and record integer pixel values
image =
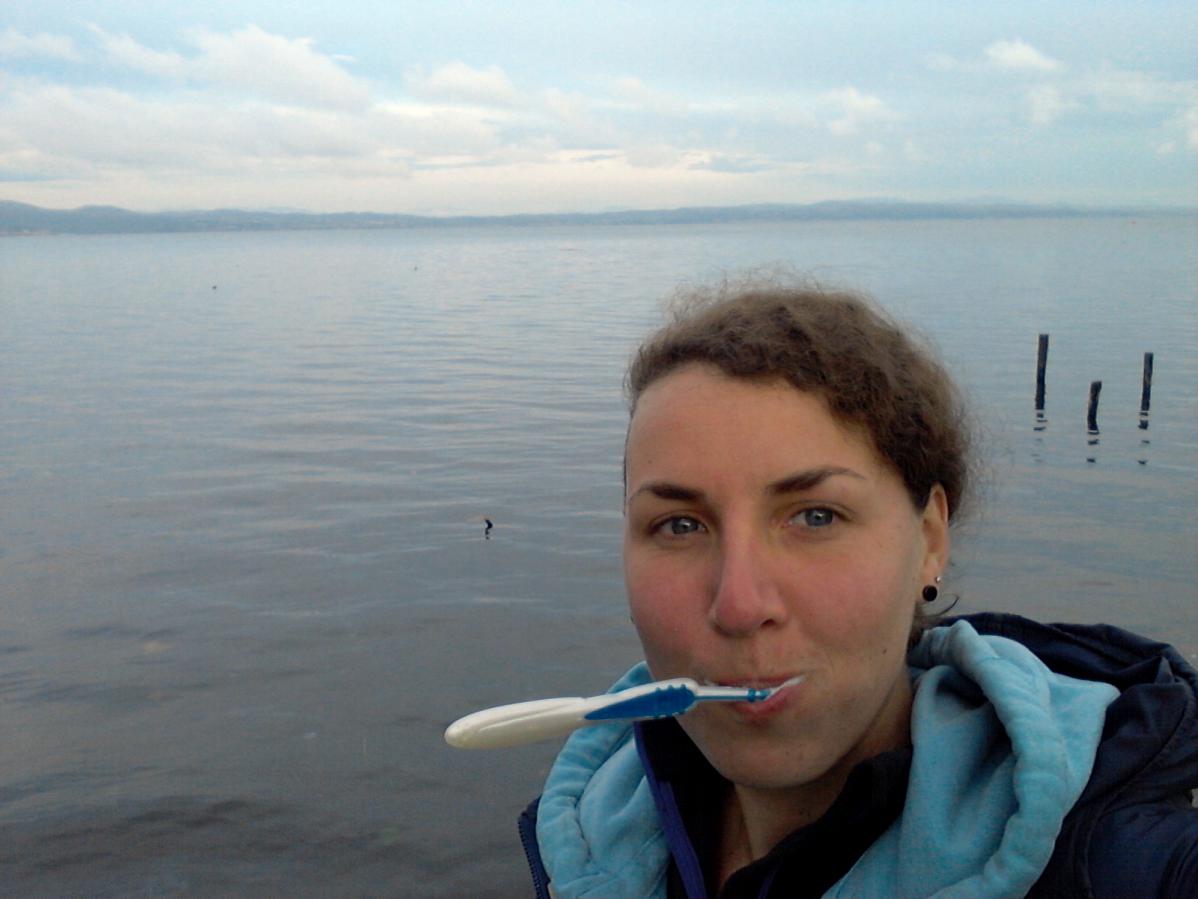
(528, 106)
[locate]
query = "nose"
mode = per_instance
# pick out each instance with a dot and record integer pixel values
(745, 596)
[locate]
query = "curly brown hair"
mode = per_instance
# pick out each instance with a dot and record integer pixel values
(871, 371)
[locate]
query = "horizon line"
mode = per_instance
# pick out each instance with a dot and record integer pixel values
(974, 203)
(17, 218)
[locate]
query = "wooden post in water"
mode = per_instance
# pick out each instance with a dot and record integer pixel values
(1092, 412)
(1041, 365)
(1145, 401)
(1146, 390)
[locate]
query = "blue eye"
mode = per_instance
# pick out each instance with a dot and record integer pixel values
(815, 518)
(680, 526)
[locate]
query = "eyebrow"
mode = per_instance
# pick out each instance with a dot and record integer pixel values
(666, 490)
(794, 483)
(805, 480)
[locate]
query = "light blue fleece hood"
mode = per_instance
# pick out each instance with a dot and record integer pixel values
(1002, 749)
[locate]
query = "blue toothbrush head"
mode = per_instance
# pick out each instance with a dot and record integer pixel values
(664, 701)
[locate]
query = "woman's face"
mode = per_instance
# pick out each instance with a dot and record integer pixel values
(763, 539)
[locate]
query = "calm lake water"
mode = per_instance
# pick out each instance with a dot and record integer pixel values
(245, 582)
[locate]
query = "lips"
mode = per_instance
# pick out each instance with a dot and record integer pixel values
(784, 691)
(757, 682)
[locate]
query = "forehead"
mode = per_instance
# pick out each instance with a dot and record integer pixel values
(698, 409)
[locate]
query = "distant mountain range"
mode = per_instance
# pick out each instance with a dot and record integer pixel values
(21, 218)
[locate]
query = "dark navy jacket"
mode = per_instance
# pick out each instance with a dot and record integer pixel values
(1134, 830)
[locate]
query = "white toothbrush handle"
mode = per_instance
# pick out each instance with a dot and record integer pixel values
(521, 722)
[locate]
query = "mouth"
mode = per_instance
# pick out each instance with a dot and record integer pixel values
(773, 684)
(778, 692)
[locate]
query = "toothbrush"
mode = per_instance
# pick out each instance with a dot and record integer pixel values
(541, 719)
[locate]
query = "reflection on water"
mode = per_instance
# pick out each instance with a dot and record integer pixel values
(263, 543)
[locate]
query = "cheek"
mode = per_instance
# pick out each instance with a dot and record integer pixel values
(861, 608)
(667, 611)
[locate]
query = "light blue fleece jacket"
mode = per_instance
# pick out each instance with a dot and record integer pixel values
(1002, 749)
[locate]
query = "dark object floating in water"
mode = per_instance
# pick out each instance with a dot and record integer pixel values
(487, 531)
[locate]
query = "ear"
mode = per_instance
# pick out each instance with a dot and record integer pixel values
(934, 523)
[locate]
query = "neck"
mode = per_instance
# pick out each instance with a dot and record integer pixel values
(756, 819)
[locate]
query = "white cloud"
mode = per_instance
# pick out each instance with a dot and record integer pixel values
(572, 106)
(635, 92)
(1127, 96)
(459, 83)
(245, 112)
(847, 109)
(115, 134)
(733, 163)
(112, 130)
(913, 152)
(1189, 121)
(941, 62)
(124, 51)
(250, 60)
(284, 68)
(16, 44)
(572, 120)
(657, 156)
(1117, 89)
(434, 132)
(1046, 104)
(1020, 56)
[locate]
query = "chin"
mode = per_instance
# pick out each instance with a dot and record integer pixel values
(759, 774)
(764, 761)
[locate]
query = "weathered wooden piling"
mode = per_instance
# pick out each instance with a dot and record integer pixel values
(1092, 411)
(1041, 366)
(1146, 389)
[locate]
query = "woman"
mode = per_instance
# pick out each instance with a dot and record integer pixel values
(794, 461)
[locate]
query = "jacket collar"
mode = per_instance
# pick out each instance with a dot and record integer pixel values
(1003, 748)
